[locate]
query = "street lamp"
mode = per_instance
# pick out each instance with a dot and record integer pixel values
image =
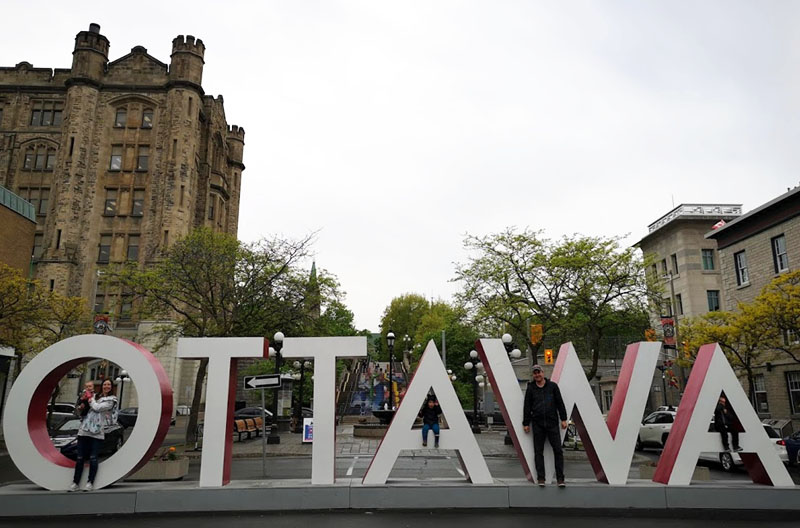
(473, 355)
(298, 412)
(277, 341)
(390, 343)
(513, 353)
(121, 380)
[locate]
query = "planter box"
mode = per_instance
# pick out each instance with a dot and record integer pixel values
(162, 470)
(646, 472)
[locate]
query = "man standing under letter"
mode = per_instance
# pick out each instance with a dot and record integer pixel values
(543, 410)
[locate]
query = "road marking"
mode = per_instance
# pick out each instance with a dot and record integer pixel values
(350, 469)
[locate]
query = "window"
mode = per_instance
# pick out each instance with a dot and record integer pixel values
(58, 239)
(142, 160)
(654, 269)
(133, 247)
(664, 418)
(790, 337)
(608, 397)
(211, 201)
(46, 113)
(38, 239)
(779, 256)
(39, 198)
(99, 303)
(740, 262)
(137, 208)
(116, 158)
(121, 118)
(126, 307)
(793, 384)
(39, 158)
(664, 266)
(679, 302)
(674, 258)
(147, 118)
(708, 259)
(110, 208)
(104, 253)
(713, 300)
(760, 392)
(1, 117)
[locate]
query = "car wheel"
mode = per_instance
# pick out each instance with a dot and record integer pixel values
(639, 446)
(727, 461)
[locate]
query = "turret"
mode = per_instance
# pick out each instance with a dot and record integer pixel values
(90, 57)
(187, 60)
(235, 140)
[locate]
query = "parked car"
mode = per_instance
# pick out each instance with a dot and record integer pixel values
(127, 417)
(62, 407)
(729, 460)
(252, 412)
(793, 448)
(655, 429)
(65, 439)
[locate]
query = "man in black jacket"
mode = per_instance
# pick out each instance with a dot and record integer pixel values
(543, 410)
(723, 423)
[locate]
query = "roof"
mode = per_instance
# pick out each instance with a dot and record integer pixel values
(694, 212)
(775, 211)
(17, 204)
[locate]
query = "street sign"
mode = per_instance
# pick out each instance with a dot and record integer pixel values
(263, 381)
(308, 430)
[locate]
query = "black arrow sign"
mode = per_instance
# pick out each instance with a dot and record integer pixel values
(263, 381)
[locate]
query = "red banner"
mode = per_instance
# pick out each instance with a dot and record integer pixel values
(668, 328)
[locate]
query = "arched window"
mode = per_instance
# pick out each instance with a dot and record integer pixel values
(39, 158)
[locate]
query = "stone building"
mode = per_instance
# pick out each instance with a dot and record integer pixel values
(120, 158)
(687, 265)
(753, 250)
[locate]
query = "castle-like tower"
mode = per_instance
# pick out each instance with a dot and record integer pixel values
(119, 159)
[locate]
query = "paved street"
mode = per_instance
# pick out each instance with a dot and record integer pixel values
(397, 519)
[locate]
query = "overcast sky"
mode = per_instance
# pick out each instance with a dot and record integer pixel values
(395, 128)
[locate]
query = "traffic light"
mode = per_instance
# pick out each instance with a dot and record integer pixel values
(548, 356)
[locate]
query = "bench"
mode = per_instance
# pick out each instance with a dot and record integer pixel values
(251, 427)
(259, 425)
(240, 428)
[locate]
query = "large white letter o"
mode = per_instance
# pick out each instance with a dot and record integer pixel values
(24, 423)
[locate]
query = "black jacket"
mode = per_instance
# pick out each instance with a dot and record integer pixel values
(543, 405)
(430, 416)
(723, 420)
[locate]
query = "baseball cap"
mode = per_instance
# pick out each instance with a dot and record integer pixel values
(537, 367)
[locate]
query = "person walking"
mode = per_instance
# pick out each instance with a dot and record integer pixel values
(723, 423)
(91, 434)
(430, 420)
(544, 409)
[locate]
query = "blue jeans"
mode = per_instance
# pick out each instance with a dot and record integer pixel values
(88, 447)
(428, 427)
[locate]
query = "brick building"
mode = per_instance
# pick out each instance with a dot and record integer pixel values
(119, 158)
(17, 226)
(753, 250)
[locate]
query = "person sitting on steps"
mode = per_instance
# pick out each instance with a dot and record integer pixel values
(430, 420)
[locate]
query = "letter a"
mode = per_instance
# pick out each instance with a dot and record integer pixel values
(689, 436)
(430, 373)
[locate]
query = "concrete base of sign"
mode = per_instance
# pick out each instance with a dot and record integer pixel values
(18, 500)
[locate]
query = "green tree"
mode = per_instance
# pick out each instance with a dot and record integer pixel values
(778, 309)
(579, 288)
(211, 285)
(402, 316)
(740, 335)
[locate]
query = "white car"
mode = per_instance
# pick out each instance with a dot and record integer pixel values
(655, 429)
(729, 460)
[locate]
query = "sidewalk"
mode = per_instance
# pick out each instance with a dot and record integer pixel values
(491, 444)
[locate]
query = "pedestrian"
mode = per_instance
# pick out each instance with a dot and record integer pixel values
(724, 423)
(430, 421)
(543, 410)
(102, 412)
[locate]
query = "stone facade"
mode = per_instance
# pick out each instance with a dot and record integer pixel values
(768, 238)
(120, 158)
(17, 228)
(129, 155)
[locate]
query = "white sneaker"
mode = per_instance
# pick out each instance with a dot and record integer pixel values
(73, 487)
(88, 487)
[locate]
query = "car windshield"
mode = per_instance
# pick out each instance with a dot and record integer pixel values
(130, 410)
(69, 425)
(771, 432)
